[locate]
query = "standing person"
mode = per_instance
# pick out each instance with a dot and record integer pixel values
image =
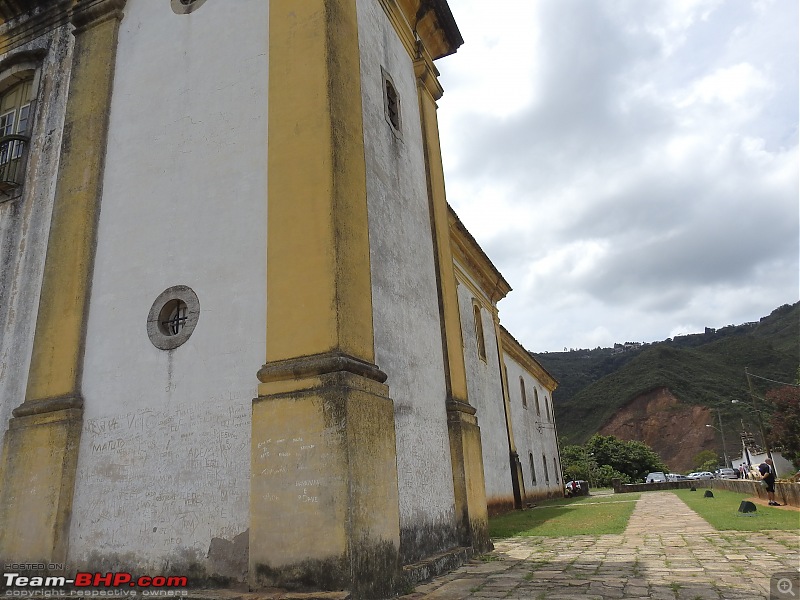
(768, 477)
(743, 471)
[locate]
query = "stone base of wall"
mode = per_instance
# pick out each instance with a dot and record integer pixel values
(500, 506)
(548, 494)
(434, 566)
(785, 492)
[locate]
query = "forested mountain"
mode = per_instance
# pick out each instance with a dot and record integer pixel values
(701, 370)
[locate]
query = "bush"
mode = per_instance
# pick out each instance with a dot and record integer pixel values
(604, 458)
(603, 476)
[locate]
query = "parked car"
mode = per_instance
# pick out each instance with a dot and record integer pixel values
(726, 474)
(700, 475)
(656, 477)
(676, 477)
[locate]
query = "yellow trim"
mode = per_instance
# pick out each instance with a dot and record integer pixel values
(40, 453)
(512, 445)
(417, 20)
(288, 385)
(463, 432)
(517, 352)
(463, 277)
(320, 389)
(57, 357)
(37, 480)
(451, 319)
(469, 253)
(477, 326)
(319, 296)
(401, 25)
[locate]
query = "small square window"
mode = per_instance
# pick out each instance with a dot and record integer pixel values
(7, 123)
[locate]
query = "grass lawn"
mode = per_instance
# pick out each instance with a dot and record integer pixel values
(721, 512)
(567, 516)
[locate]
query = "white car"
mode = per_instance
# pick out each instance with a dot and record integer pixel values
(700, 475)
(576, 488)
(726, 474)
(676, 477)
(656, 477)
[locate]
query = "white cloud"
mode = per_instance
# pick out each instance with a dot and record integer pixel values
(629, 164)
(732, 86)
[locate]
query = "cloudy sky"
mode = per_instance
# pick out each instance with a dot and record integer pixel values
(631, 166)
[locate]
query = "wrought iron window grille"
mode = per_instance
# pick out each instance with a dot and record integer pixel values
(13, 156)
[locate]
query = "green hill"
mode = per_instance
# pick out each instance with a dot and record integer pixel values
(706, 369)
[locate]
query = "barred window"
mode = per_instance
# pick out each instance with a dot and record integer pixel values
(15, 124)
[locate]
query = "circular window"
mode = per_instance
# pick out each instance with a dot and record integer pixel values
(173, 317)
(184, 7)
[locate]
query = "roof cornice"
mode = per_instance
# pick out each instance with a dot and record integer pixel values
(467, 251)
(518, 352)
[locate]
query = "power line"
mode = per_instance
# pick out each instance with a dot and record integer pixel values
(773, 381)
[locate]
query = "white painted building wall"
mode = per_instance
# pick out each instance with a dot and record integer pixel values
(484, 387)
(25, 220)
(408, 343)
(534, 432)
(783, 468)
(164, 463)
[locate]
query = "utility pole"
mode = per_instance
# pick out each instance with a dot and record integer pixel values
(722, 435)
(758, 416)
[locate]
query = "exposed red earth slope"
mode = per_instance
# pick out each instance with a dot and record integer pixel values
(676, 431)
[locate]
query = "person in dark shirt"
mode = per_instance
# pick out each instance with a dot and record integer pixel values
(768, 477)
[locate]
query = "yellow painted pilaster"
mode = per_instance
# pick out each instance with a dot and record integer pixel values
(57, 358)
(324, 509)
(40, 449)
(430, 91)
(517, 480)
(320, 294)
(465, 438)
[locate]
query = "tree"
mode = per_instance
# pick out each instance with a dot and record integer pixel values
(604, 458)
(634, 459)
(707, 460)
(604, 475)
(574, 463)
(784, 424)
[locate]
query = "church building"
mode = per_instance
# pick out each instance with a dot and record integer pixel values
(243, 336)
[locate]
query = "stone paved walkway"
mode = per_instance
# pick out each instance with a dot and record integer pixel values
(667, 552)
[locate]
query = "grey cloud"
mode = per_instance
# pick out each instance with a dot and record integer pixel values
(723, 218)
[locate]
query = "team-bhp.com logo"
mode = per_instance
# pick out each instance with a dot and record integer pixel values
(93, 584)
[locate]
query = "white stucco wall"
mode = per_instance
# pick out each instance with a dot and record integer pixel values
(534, 433)
(783, 468)
(405, 305)
(25, 221)
(485, 390)
(164, 464)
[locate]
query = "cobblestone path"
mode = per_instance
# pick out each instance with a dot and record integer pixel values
(668, 552)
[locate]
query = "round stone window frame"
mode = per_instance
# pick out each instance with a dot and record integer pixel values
(183, 7)
(155, 332)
